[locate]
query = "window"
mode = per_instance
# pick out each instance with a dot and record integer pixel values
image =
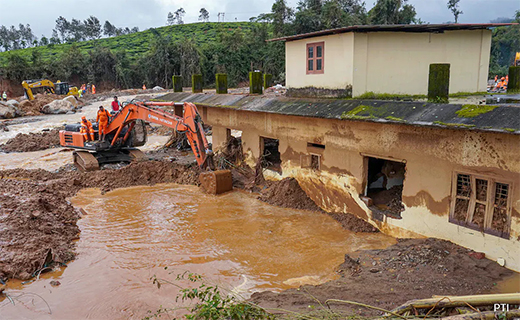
(270, 154)
(384, 181)
(481, 203)
(315, 57)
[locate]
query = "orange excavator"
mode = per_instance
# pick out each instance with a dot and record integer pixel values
(126, 131)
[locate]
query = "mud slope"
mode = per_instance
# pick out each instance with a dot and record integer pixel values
(35, 215)
(410, 269)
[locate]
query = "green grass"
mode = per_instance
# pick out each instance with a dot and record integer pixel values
(509, 129)
(467, 94)
(136, 44)
(454, 125)
(473, 110)
(389, 96)
(395, 119)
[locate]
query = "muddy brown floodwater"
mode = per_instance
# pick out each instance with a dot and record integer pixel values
(129, 235)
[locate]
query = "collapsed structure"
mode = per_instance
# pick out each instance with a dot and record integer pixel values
(410, 168)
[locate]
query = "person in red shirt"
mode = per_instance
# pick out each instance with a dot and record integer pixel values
(116, 105)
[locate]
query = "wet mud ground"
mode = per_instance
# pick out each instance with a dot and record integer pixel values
(39, 230)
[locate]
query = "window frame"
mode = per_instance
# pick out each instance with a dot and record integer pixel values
(473, 201)
(314, 59)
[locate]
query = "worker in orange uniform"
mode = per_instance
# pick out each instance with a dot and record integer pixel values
(86, 129)
(93, 89)
(144, 86)
(102, 119)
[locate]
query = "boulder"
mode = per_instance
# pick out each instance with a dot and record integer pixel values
(72, 100)
(58, 107)
(8, 111)
(13, 102)
(157, 88)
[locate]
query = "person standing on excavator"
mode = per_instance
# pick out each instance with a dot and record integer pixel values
(86, 129)
(116, 105)
(102, 119)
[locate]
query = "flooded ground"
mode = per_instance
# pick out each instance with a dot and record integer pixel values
(234, 240)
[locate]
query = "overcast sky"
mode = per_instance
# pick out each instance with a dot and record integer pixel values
(42, 14)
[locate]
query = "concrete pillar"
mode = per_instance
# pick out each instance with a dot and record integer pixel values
(177, 83)
(439, 82)
(196, 83)
(255, 82)
(219, 137)
(514, 80)
(221, 83)
(268, 80)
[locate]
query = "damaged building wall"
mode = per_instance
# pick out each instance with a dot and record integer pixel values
(432, 157)
(338, 63)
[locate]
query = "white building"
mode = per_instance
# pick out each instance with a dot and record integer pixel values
(391, 59)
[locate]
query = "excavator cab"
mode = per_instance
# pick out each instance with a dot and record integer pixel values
(61, 88)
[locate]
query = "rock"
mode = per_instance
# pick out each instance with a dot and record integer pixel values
(58, 107)
(8, 111)
(501, 262)
(55, 283)
(72, 100)
(157, 88)
(477, 255)
(13, 102)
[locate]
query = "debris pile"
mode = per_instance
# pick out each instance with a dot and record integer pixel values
(33, 108)
(287, 193)
(32, 141)
(410, 269)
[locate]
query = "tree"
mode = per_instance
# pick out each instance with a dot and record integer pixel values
(62, 28)
(55, 39)
(109, 29)
(282, 16)
(170, 21)
(392, 12)
(308, 16)
(453, 5)
(44, 41)
(92, 28)
(179, 14)
(333, 16)
(204, 15)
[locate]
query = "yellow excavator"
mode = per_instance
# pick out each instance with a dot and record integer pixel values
(516, 63)
(59, 87)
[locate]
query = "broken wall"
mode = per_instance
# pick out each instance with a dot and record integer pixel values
(432, 156)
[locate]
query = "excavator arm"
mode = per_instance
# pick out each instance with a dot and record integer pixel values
(190, 124)
(28, 86)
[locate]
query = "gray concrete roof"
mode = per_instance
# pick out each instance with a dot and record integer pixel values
(500, 119)
(396, 28)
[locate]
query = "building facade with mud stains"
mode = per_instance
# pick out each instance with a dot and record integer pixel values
(388, 59)
(455, 179)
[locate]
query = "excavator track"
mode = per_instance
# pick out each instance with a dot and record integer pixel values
(85, 161)
(137, 155)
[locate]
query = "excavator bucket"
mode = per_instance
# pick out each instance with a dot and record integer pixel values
(216, 182)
